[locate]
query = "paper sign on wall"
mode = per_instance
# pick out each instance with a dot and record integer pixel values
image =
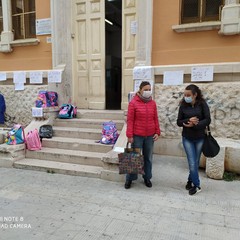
(19, 77)
(173, 78)
(19, 86)
(3, 76)
(55, 76)
(202, 74)
(37, 112)
(43, 26)
(143, 73)
(36, 77)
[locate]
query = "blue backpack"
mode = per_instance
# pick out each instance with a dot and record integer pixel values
(15, 135)
(109, 133)
(67, 111)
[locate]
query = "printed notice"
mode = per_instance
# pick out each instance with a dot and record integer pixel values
(134, 27)
(37, 112)
(173, 78)
(144, 73)
(43, 26)
(19, 86)
(19, 77)
(3, 76)
(55, 76)
(202, 74)
(36, 77)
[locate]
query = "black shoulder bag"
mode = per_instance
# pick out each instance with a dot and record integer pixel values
(210, 146)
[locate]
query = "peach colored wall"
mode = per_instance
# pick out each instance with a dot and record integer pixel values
(30, 57)
(170, 47)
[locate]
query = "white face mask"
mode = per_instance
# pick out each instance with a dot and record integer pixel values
(147, 94)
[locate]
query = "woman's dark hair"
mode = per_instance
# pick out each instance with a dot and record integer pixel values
(194, 89)
(144, 83)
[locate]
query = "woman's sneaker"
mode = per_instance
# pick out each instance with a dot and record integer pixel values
(194, 190)
(189, 185)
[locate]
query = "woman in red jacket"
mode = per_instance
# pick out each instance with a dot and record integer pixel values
(142, 129)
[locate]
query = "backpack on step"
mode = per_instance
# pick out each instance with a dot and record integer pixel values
(67, 111)
(109, 133)
(33, 140)
(45, 131)
(46, 99)
(52, 99)
(15, 135)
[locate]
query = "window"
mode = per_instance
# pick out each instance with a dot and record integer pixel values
(23, 19)
(200, 10)
(1, 18)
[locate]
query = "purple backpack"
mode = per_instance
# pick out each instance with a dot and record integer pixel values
(109, 133)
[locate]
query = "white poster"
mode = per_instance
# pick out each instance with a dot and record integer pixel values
(19, 77)
(173, 78)
(55, 76)
(37, 112)
(43, 26)
(134, 27)
(19, 86)
(36, 77)
(3, 76)
(202, 74)
(143, 73)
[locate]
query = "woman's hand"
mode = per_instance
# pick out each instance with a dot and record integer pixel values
(155, 137)
(194, 120)
(130, 140)
(189, 124)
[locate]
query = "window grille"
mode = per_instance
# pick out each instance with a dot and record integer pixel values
(200, 10)
(23, 19)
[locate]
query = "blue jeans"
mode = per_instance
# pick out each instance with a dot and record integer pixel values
(193, 149)
(146, 145)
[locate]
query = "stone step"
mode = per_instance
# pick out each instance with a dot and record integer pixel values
(67, 156)
(77, 144)
(59, 167)
(74, 132)
(86, 123)
(101, 114)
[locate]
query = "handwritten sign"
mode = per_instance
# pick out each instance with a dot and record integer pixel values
(143, 73)
(202, 74)
(19, 77)
(55, 76)
(19, 86)
(36, 77)
(173, 78)
(37, 112)
(3, 76)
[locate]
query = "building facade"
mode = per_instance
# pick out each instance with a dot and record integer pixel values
(98, 60)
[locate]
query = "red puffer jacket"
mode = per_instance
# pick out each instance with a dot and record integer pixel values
(142, 118)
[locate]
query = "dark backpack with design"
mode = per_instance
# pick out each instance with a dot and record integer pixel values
(45, 131)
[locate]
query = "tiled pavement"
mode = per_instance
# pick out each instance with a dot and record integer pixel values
(44, 206)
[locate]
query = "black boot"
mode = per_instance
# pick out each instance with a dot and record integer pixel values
(128, 184)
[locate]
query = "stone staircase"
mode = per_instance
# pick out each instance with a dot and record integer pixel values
(74, 149)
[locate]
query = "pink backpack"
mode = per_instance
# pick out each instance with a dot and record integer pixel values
(33, 140)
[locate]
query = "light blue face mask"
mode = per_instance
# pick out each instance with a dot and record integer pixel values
(188, 99)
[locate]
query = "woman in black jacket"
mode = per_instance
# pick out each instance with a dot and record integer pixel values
(193, 116)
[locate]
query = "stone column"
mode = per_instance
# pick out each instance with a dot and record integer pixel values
(7, 34)
(62, 47)
(144, 43)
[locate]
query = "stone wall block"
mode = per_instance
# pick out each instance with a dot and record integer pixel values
(215, 166)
